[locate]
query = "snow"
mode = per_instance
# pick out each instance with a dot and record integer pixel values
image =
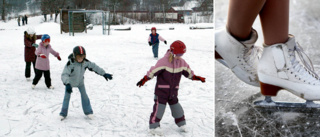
(120, 107)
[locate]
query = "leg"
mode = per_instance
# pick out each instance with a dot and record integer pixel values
(37, 77)
(158, 111)
(86, 106)
(275, 21)
(34, 64)
(241, 16)
(156, 49)
(65, 104)
(177, 112)
(27, 71)
(47, 78)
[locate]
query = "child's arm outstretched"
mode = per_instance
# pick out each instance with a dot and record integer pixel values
(54, 53)
(93, 67)
(154, 71)
(187, 72)
(162, 39)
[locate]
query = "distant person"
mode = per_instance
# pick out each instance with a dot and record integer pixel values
(169, 71)
(23, 20)
(26, 19)
(18, 21)
(43, 63)
(153, 40)
(30, 38)
(73, 76)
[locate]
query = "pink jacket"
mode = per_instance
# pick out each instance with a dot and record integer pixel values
(169, 75)
(44, 63)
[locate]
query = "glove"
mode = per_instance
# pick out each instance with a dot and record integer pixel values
(107, 76)
(59, 58)
(43, 56)
(142, 81)
(150, 43)
(199, 78)
(165, 42)
(69, 88)
(35, 45)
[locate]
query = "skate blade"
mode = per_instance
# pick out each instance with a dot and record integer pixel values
(307, 104)
(222, 61)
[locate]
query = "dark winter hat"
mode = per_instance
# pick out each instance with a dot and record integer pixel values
(79, 50)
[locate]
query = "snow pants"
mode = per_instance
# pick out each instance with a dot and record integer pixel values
(38, 76)
(155, 49)
(28, 69)
(86, 106)
(159, 108)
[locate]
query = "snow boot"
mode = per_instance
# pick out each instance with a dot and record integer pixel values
(279, 68)
(242, 57)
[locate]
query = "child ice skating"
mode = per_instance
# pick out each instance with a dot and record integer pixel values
(30, 46)
(168, 71)
(43, 63)
(73, 76)
(153, 40)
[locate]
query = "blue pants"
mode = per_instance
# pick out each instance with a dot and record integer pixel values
(86, 106)
(155, 48)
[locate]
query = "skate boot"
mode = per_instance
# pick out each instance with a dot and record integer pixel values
(183, 128)
(33, 86)
(156, 131)
(241, 57)
(90, 116)
(279, 68)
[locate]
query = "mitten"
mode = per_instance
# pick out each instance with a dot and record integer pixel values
(107, 76)
(43, 56)
(202, 79)
(142, 81)
(69, 88)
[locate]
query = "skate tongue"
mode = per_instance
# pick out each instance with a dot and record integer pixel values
(291, 43)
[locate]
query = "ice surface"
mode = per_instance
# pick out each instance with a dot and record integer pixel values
(120, 108)
(232, 95)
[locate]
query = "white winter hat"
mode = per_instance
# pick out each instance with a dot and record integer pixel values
(31, 30)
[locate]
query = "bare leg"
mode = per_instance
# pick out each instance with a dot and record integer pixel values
(241, 16)
(275, 21)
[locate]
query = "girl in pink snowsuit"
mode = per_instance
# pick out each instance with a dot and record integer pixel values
(169, 70)
(43, 63)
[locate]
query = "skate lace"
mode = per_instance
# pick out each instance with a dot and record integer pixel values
(251, 54)
(306, 69)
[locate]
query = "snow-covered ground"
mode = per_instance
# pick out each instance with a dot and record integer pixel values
(235, 114)
(120, 107)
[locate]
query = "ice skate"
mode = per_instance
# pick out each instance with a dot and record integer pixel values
(90, 116)
(183, 129)
(28, 79)
(279, 68)
(156, 131)
(33, 86)
(241, 57)
(51, 87)
(62, 118)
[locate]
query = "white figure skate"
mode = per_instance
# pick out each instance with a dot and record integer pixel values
(280, 69)
(241, 57)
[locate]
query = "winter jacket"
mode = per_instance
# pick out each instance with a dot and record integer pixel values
(44, 63)
(169, 75)
(73, 72)
(155, 38)
(29, 55)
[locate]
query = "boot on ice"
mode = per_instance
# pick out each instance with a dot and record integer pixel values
(280, 68)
